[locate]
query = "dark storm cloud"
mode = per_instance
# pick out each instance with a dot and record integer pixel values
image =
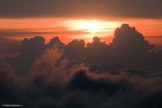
(81, 8)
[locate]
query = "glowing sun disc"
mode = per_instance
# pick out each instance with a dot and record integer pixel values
(91, 26)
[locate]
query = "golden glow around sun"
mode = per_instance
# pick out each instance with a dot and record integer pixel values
(92, 28)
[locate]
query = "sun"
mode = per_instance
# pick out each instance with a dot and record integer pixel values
(91, 26)
(87, 29)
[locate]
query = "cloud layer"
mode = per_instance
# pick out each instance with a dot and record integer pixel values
(55, 75)
(53, 82)
(81, 8)
(128, 47)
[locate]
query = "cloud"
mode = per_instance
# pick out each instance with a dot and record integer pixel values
(8, 46)
(46, 77)
(128, 47)
(8, 81)
(53, 82)
(81, 8)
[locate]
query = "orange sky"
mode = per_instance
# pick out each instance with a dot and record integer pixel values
(68, 28)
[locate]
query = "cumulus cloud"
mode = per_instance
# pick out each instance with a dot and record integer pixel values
(128, 47)
(53, 79)
(53, 82)
(53, 68)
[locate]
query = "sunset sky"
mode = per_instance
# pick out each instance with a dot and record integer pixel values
(78, 19)
(81, 53)
(68, 28)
